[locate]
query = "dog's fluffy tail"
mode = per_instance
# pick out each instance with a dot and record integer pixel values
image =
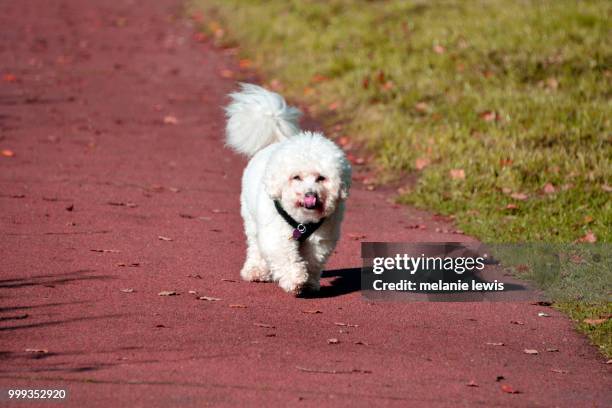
(257, 118)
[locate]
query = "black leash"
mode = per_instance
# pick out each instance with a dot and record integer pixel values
(301, 232)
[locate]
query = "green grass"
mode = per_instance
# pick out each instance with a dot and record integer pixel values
(517, 94)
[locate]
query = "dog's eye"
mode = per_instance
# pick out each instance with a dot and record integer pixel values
(320, 179)
(297, 178)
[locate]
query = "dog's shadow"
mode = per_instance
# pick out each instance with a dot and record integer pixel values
(343, 282)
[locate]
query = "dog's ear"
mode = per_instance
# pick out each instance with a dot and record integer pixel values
(273, 184)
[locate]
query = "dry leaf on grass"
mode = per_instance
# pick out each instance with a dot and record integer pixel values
(530, 351)
(105, 250)
(167, 293)
(421, 163)
(495, 344)
(542, 314)
(472, 383)
(595, 322)
(457, 174)
(519, 196)
(549, 189)
(589, 237)
(333, 341)
(238, 306)
(127, 290)
(559, 371)
(162, 238)
(311, 311)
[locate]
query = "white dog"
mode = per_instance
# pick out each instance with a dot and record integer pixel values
(293, 190)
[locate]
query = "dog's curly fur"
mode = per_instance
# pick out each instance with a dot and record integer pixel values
(305, 172)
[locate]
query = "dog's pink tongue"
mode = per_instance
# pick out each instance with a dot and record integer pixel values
(310, 201)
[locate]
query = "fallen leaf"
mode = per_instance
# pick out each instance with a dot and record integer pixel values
(421, 163)
(167, 293)
(226, 73)
(245, 63)
(70, 207)
(517, 322)
(170, 120)
(552, 83)
(311, 311)
(609, 361)
(519, 196)
(194, 276)
(472, 383)
(530, 351)
(264, 325)
(228, 280)
(508, 389)
(438, 49)
(421, 107)
(512, 207)
(333, 341)
(128, 290)
(8, 153)
(361, 343)
(589, 237)
(9, 78)
(174, 189)
(208, 298)
(542, 303)
(495, 344)
(587, 219)
(355, 236)
(457, 174)
(309, 91)
(238, 306)
(606, 188)
(549, 188)
(319, 78)
(122, 204)
(322, 371)
(365, 82)
(192, 292)
(543, 314)
(36, 350)
(559, 371)
(105, 250)
(334, 105)
(162, 238)
(346, 324)
(552, 350)
(595, 322)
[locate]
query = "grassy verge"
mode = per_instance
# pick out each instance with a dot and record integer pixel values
(502, 107)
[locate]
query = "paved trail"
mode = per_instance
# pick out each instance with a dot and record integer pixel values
(84, 114)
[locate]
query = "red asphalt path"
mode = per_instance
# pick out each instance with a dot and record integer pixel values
(84, 114)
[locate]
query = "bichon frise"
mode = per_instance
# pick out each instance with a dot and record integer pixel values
(293, 190)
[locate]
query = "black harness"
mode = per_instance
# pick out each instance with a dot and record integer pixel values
(301, 232)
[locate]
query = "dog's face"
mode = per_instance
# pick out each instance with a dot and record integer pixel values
(309, 175)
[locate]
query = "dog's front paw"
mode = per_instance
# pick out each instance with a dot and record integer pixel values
(295, 285)
(255, 274)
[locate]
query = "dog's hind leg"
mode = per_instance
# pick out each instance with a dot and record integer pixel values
(255, 267)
